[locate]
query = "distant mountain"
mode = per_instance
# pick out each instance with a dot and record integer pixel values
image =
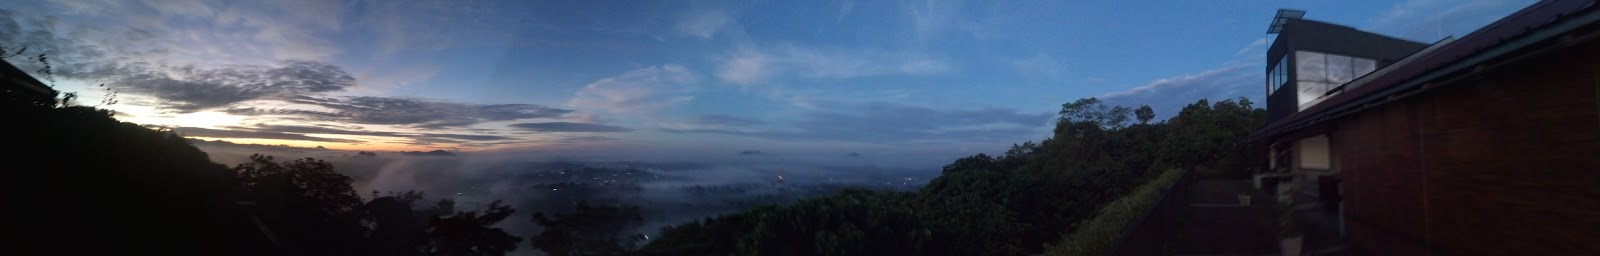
(750, 152)
(429, 153)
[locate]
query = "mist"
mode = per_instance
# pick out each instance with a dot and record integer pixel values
(668, 187)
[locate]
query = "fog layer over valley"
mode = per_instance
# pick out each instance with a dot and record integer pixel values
(667, 192)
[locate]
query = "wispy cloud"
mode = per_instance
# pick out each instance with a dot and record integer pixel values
(189, 89)
(886, 122)
(703, 24)
(297, 132)
(844, 10)
(413, 112)
(569, 127)
(217, 133)
(1253, 47)
(1040, 65)
(749, 66)
(641, 90)
(1167, 95)
(1429, 20)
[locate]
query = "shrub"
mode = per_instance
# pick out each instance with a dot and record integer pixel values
(1094, 235)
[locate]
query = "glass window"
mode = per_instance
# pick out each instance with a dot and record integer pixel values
(1283, 71)
(1311, 66)
(1340, 70)
(1279, 74)
(1316, 72)
(1364, 66)
(1312, 90)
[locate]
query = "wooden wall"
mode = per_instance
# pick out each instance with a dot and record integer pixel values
(1506, 163)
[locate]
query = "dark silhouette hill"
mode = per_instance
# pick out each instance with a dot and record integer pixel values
(81, 182)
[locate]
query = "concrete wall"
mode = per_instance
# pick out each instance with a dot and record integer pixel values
(1505, 162)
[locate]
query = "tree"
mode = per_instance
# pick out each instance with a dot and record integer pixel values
(981, 205)
(397, 228)
(309, 207)
(1092, 111)
(1145, 114)
(588, 230)
(979, 161)
(470, 233)
(1018, 151)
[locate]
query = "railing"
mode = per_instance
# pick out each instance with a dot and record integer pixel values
(1149, 235)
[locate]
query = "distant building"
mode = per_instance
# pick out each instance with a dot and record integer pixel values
(1484, 145)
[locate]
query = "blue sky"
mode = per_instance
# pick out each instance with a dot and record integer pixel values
(925, 77)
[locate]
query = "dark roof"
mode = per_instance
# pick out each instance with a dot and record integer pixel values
(1535, 23)
(1283, 17)
(17, 87)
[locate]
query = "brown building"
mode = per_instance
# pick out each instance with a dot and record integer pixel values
(1484, 145)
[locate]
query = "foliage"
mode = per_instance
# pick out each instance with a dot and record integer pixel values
(588, 230)
(1095, 235)
(80, 174)
(1024, 150)
(308, 204)
(982, 205)
(128, 183)
(1015, 204)
(1145, 113)
(469, 232)
(1286, 224)
(1090, 110)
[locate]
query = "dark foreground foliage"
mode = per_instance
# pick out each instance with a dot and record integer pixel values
(982, 205)
(84, 183)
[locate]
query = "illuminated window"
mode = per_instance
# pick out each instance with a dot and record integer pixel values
(1317, 73)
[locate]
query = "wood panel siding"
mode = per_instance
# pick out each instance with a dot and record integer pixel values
(1504, 162)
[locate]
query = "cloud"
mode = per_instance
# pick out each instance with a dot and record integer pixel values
(417, 113)
(714, 123)
(1254, 46)
(636, 91)
(312, 129)
(569, 127)
(888, 122)
(1041, 65)
(844, 10)
(745, 67)
(239, 134)
(1430, 20)
(189, 89)
(932, 16)
(715, 119)
(587, 139)
(748, 66)
(1168, 95)
(473, 137)
(703, 24)
(416, 138)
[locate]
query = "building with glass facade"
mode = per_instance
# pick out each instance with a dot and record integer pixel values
(1487, 144)
(1310, 59)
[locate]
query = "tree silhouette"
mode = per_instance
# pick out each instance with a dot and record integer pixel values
(1144, 113)
(470, 233)
(397, 228)
(588, 230)
(311, 208)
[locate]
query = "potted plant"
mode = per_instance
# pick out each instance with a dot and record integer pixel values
(1290, 239)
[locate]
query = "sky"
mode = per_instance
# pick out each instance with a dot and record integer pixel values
(916, 78)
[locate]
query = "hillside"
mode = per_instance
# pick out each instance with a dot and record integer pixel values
(1014, 204)
(93, 178)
